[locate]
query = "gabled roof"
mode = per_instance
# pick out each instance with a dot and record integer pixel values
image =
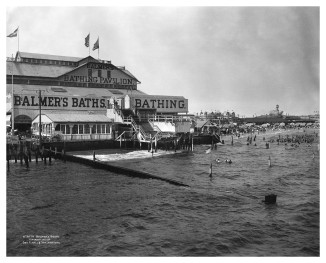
(85, 62)
(37, 70)
(45, 56)
(87, 59)
(128, 73)
(53, 70)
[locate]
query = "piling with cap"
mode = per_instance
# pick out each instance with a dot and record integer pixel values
(50, 155)
(192, 143)
(269, 161)
(94, 156)
(211, 170)
(44, 156)
(63, 155)
(175, 145)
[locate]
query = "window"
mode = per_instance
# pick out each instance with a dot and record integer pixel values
(86, 131)
(99, 73)
(68, 129)
(75, 129)
(81, 129)
(98, 128)
(94, 129)
(108, 74)
(89, 72)
(63, 128)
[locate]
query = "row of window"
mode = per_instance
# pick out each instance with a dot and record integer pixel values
(99, 73)
(49, 62)
(84, 129)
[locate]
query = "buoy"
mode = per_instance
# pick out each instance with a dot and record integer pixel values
(210, 170)
(269, 161)
(270, 199)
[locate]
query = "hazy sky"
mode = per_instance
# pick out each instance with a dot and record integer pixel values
(245, 59)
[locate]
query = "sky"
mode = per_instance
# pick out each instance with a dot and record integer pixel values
(241, 59)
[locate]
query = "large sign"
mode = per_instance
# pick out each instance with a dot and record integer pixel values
(161, 104)
(99, 73)
(99, 80)
(55, 102)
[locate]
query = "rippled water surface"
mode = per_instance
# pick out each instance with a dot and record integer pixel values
(91, 212)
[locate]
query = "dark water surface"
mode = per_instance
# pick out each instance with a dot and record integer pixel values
(91, 212)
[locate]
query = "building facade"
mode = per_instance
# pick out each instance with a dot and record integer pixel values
(77, 97)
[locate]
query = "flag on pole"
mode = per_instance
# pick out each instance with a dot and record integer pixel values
(13, 34)
(87, 41)
(97, 44)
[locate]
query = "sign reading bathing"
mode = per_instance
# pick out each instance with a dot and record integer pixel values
(59, 102)
(162, 104)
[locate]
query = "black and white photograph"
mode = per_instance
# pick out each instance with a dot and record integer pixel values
(162, 131)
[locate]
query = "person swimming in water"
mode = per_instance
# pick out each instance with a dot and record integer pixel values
(218, 160)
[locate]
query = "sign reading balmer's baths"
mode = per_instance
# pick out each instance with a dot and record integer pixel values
(26, 101)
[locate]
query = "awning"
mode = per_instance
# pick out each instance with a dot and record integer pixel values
(72, 118)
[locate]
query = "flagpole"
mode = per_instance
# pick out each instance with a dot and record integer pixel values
(12, 96)
(18, 38)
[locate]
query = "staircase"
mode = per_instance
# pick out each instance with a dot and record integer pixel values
(145, 131)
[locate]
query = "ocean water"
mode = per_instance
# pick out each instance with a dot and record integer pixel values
(68, 209)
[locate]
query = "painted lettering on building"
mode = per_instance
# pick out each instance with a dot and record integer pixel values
(162, 105)
(59, 102)
(99, 80)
